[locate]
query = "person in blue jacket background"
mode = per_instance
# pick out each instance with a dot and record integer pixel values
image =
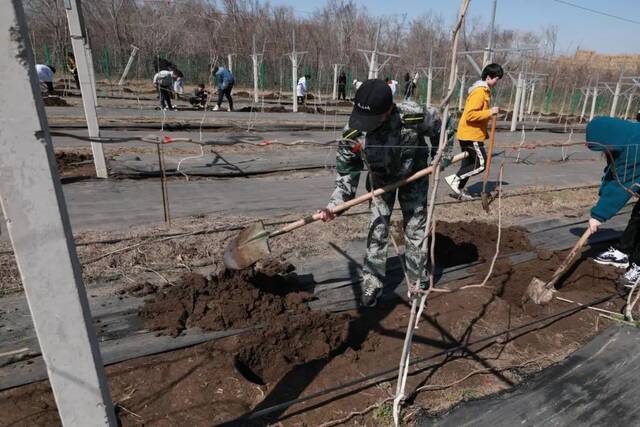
(225, 80)
(619, 140)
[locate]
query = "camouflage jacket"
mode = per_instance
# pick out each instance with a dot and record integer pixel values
(394, 151)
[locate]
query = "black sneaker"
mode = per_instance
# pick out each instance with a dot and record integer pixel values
(370, 296)
(614, 257)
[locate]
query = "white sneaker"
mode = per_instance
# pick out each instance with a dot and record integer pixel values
(454, 182)
(464, 195)
(614, 257)
(632, 276)
(216, 108)
(228, 109)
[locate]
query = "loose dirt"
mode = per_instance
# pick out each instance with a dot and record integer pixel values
(54, 101)
(293, 351)
(75, 164)
(289, 333)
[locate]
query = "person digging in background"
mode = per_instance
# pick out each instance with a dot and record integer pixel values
(302, 88)
(394, 148)
(472, 129)
(619, 140)
(178, 84)
(163, 81)
(73, 68)
(342, 86)
(393, 84)
(45, 76)
(225, 81)
(199, 97)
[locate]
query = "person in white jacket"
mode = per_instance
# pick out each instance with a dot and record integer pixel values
(302, 88)
(163, 81)
(45, 76)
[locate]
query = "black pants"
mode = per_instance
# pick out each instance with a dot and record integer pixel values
(50, 88)
(75, 78)
(342, 92)
(629, 242)
(225, 92)
(165, 97)
(198, 100)
(474, 164)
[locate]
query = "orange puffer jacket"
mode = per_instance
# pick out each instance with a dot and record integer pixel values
(476, 114)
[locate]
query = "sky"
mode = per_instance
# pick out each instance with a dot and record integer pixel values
(577, 28)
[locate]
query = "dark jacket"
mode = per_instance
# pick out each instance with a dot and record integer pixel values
(620, 141)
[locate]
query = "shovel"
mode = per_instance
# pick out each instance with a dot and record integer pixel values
(540, 292)
(252, 244)
(485, 195)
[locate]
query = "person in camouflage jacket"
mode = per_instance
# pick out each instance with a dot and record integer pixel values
(390, 140)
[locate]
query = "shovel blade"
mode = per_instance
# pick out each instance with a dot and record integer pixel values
(539, 292)
(247, 248)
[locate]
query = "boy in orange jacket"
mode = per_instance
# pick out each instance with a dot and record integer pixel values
(472, 129)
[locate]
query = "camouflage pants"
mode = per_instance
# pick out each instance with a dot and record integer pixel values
(413, 203)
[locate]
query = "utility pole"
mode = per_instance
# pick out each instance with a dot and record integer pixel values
(230, 61)
(371, 56)
(593, 101)
(616, 94)
(629, 102)
(134, 51)
(256, 58)
(516, 103)
(584, 104)
(295, 56)
(82, 53)
(336, 68)
(488, 54)
(531, 94)
(38, 224)
(523, 98)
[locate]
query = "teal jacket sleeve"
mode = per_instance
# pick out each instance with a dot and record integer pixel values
(612, 198)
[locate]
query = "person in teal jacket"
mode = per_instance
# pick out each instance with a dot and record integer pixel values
(619, 140)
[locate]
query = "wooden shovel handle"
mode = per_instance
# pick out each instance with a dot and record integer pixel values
(492, 138)
(569, 259)
(363, 198)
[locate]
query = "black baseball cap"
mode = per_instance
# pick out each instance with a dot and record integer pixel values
(373, 100)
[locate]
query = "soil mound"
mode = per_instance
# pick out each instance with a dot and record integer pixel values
(289, 333)
(54, 101)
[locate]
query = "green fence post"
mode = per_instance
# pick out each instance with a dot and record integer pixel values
(105, 63)
(47, 54)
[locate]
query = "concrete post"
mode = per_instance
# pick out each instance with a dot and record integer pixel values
(531, 95)
(616, 97)
(523, 99)
(593, 102)
(461, 95)
(429, 86)
(230, 61)
(584, 105)
(334, 94)
(254, 60)
(84, 62)
(516, 104)
(294, 74)
(629, 102)
(92, 73)
(134, 51)
(38, 224)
